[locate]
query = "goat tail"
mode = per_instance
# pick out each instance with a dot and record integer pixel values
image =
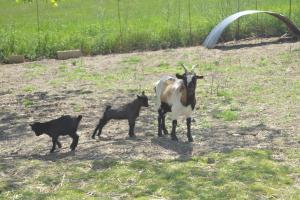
(79, 118)
(107, 108)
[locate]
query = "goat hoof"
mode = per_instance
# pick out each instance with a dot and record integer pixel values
(166, 132)
(175, 139)
(93, 137)
(159, 135)
(191, 140)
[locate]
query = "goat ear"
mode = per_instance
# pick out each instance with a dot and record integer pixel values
(143, 93)
(138, 96)
(199, 77)
(30, 125)
(179, 76)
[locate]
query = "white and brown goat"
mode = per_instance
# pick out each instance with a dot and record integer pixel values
(176, 95)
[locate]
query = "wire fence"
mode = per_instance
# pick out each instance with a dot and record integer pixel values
(100, 27)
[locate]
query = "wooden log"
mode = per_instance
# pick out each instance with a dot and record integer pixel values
(63, 55)
(16, 59)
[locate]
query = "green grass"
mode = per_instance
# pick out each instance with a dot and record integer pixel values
(132, 60)
(29, 88)
(66, 74)
(93, 25)
(240, 174)
(27, 102)
(226, 115)
(34, 70)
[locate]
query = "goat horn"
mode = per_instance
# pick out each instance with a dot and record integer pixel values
(184, 67)
(193, 67)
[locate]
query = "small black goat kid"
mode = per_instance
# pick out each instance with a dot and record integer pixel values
(130, 111)
(65, 125)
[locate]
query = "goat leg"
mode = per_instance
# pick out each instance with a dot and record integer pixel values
(95, 131)
(159, 125)
(75, 142)
(131, 129)
(163, 124)
(188, 124)
(54, 141)
(173, 133)
(58, 144)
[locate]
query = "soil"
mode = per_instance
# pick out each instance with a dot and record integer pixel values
(17, 140)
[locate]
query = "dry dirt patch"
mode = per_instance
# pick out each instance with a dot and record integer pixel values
(40, 91)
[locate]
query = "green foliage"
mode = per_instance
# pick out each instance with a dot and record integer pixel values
(144, 25)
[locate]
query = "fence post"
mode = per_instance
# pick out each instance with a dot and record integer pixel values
(120, 25)
(238, 23)
(190, 22)
(179, 13)
(290, 12)
(38, 26)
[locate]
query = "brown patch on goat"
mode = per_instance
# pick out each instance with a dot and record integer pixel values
(183, 92)
(167, 92)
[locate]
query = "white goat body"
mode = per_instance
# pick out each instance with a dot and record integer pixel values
(172, 91)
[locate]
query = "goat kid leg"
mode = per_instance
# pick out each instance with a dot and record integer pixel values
(74, 142)
(99, 127)
(54, 141)
(173, 133)
(131, 128)
(102, 123)
(95, 131)
(58, 143)
(188, 124)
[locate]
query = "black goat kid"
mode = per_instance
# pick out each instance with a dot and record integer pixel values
(65, 125)
(129, 111)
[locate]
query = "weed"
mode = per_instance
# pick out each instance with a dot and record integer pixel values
(27, 102)
(226, 115)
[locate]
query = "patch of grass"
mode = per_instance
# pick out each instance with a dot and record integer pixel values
(239, 174)
(132, 60)
(66, 74)
(263, 62)
(29, 88)
(227, 95)
(163, 68)
(256, 88)
(226, 115)
(35, 70)
(77, 108)
(27, 102)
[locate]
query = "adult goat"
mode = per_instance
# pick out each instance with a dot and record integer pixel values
(176, 95)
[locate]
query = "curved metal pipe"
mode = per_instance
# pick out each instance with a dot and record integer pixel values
(213, 37)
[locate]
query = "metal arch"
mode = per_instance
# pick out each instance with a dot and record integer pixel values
(213, 37)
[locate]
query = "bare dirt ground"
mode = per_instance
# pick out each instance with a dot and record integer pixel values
(37, 91)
